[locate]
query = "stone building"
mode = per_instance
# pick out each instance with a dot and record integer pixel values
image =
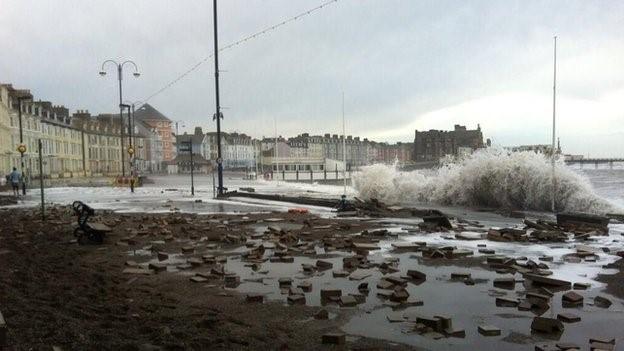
(434, 144)
(152, 158)
(391, 153)
(358, 152)
(154, 119)
(199, 141)
(62, 144)
(238, 150)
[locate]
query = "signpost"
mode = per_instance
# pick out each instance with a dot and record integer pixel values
(41, 181)
(190, 150)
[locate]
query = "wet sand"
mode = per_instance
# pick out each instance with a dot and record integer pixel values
(56, 292)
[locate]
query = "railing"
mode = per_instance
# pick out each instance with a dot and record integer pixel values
(306, 175)
(595, 160)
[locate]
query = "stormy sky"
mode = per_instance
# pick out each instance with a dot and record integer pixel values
(402, 64)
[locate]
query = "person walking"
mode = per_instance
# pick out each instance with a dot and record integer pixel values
(15, 178)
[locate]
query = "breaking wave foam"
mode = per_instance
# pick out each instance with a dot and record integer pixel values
(487, 178)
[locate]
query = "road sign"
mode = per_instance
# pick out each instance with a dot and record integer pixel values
(219, 160)
(130, 150)
(21, 148)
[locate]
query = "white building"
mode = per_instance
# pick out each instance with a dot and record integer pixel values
(239, 151)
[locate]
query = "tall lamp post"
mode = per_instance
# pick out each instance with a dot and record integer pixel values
(22, 147)
(120, 78)
(218, 115)
(131, 121)
(130, 147)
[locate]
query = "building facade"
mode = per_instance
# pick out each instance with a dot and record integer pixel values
(434, 144)
(155, 120)
(238, 151)
(72, 145)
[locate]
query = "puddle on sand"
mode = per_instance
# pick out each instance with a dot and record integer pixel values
(468, 306)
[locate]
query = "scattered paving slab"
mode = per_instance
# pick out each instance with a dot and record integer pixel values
(322, 314)
(184, 266)
(285, 282)
(384, 293)
(395, 317)
(365, 246)
(254, 298)
(296, 299)
(572, 299)
(195, 262)
(531, 296)
(506, 302)
(564, 346)
(198, 279)
(188, 249)
(409, 246)
(489, 330)
(384, 284)
(305, 286)
(583, 222)
(157, 267)
(460, 275)
(581, 286)
(505, 283)
(418, 275)
(396, 281)
(359, 275)
(455, 333)
(320, 264)
(601, 344)
(430, 322)
(399, 295)
(334, 338)
(348, 301)
(340, 274)
(469, 236)
(546, 347)
(295, 291)
(568, 318)
(433, 335)
(326, 294)
(273, 220)
(547, 325)
(138, 271)
(541, 280)
(601, 301)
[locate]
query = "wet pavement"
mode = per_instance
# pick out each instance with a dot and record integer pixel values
(467, 305)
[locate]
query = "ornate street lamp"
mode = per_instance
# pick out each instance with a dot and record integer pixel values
(120, 77)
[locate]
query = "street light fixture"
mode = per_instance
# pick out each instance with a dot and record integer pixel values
(176, 126)
(22, 147)
(120, 77)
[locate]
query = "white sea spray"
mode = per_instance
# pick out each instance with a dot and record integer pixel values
(487, 178)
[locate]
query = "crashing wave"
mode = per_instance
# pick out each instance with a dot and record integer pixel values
(487, 178)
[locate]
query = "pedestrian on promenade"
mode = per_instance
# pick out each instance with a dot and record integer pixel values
(15, 178)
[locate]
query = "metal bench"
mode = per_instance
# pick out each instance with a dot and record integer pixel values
(93, 232)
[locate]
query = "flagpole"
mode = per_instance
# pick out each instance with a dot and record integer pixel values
(276, 152)
(344, 150)
(554, 180)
